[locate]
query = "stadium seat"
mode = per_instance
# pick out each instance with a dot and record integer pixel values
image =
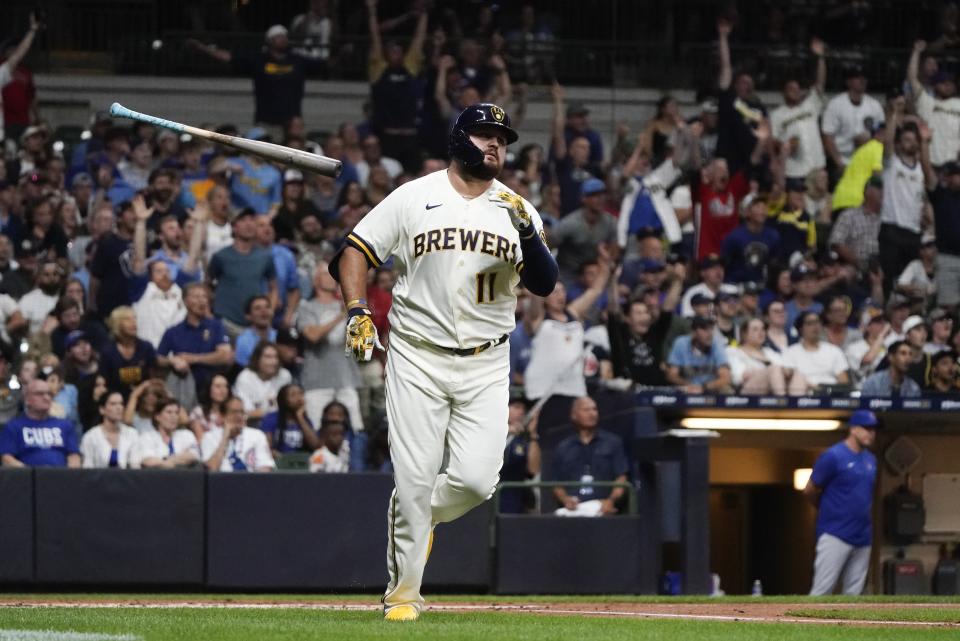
(299, 461)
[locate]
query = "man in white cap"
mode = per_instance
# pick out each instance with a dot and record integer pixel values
(918, 279)
(278, 77)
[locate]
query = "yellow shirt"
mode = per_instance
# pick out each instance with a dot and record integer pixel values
(865, 161)
(412, 61)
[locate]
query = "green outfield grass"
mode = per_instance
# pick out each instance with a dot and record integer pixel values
(926, 615)
(181, 624)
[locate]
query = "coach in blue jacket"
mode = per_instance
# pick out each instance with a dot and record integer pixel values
(841, 486)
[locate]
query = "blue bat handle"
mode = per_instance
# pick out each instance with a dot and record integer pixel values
(119, 111)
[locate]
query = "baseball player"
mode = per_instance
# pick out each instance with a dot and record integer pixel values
(461, 241)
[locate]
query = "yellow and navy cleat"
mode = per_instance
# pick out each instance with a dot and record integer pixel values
(401, 613)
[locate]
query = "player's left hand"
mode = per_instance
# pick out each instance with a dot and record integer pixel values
(361, 336)
(513, 204)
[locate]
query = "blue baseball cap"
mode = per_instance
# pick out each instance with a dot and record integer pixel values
(592, 186)
(75, 337)
(863, 418)
(81, 178)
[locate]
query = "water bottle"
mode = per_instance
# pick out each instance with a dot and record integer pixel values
(716, 590)
(757, 588)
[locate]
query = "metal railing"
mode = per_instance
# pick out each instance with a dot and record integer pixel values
(652, 43)
(576, 62)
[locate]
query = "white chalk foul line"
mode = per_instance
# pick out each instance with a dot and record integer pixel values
(52, 635)
(739, 618)
(344, 607)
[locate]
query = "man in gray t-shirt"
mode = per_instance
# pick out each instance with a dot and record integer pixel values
(327, 375)
(239, 272)
(578, 233)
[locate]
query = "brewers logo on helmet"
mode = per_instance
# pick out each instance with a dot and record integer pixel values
(483, 114)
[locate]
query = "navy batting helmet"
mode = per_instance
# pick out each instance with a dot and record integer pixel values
(474, 117)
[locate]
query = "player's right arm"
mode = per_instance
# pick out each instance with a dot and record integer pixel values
(353, 274)
(375, 238)
(362, 335)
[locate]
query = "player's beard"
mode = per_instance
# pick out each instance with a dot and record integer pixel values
(483, 171)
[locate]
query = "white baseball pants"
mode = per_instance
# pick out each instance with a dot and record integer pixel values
(442, 409)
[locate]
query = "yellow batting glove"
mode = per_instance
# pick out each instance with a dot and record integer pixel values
(514, 206)
(361, 335)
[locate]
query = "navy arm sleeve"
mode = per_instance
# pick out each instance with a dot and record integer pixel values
(539, 270)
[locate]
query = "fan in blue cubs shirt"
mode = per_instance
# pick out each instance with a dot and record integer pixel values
(36, 439)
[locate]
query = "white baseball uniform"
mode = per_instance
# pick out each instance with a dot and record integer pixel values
(457, 262)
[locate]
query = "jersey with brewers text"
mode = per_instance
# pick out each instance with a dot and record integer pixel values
(457, 261)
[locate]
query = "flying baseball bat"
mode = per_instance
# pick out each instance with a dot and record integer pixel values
(276, 153)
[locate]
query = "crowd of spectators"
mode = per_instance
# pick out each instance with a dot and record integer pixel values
(806, 249)
(167, 302)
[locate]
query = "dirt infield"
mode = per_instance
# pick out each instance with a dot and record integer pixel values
(746, 611)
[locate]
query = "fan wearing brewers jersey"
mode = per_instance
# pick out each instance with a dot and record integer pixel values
(461, 241)
(906, 172)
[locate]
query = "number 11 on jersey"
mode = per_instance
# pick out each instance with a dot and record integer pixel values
(485, 285)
